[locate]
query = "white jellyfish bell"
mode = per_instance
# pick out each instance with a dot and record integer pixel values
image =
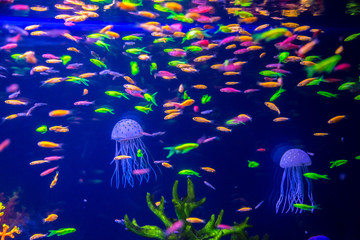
(294, 162)
(127, 133)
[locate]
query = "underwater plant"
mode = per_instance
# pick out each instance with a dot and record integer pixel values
(4, 232)
(212, 230)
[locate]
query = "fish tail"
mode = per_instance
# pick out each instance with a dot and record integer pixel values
(153, 96)
(172, 151)
(52, 233)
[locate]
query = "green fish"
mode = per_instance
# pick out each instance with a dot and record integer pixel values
(61, 232)
(223, 28)
(136, 51)
(180, 17)
(305, 206)
(243, 14)
(175, 63)
(326, 65)
(78, 80)
(153, 67)
(16, 56)
(98, 63)
(253, 164)
(102, 44)
(150, 98)
(132, 38)
(357, 157)
(271, 34)
(283, 56)
(316, 81)
(161, 8)
(205, 99)
(316, 176)
(189, 172)
(134, 68)
(104, 110)
(346, 86)
(269, 73)
(42, 129)
(338, 163)
(145, 109)
(185, 95)
(182, 148)
(98, 35)
(351, 37)
(327, 94)
(243, 3)
(116, 94)
(139, 154)
(277, 94)
(161, 40)
(193, 49)
(192, 34)
(312, 58)
(65, 59)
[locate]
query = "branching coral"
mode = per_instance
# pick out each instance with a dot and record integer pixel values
(183, 209)
(13, 213)
(4, 233)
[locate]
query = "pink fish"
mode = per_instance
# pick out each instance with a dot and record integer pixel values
(247, 44)
(210, 139)
(177, 53)
(140, 171)
(241, 51)
(230, 90)
(227, 40)
(83, 103)
(204, 19)
(202, 9)
(134, 93)
(50, 56)
(53, 158)
(223, 226)
(14, 39)
(196, 109)
(20, 7)
(201, 43)
(251, 90)
(12, 88)
(342, 67)
(164, 74)
(4, 144)
(50, 170)
(175, 227)
(9, 46)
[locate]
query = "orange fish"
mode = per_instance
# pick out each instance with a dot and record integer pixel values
(54, 181)
(194, 220)
(223, 129)
(272, 106)
(59, 113)
(336, 119)
(50, 218)
(201, 120)
(208, 169)
(321, 134)
(280, 119)
(46, 144)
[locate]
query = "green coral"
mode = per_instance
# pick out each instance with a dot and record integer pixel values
(183, 209)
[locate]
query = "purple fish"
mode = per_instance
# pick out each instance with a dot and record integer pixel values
(209, 185)
(175, 227)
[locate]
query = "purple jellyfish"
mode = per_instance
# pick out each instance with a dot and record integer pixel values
(127, 133)
(294, 162)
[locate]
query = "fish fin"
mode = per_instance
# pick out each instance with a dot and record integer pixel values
(172, 151)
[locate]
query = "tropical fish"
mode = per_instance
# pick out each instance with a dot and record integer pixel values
(61, 232)
(181, 149)
(50, 218)
(327, 94)
(338, 163)
(253, 164)
(42, 129)
(315, 176)
(189, 172)
(145, 109)
(305, 206)
(104, 110)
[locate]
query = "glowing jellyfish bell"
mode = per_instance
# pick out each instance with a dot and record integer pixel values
(127, 133)
(294, 162)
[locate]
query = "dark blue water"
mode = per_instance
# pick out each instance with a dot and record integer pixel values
(83, 197)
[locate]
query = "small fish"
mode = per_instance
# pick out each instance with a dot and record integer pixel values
(315, 176)
(272, 107)
(54, 181)
(50, 218)
(244, 209)
(338, 163)
(139, 154)
(189, 172)
(194, 220)
(336, 119)
(50, 170)
(145, 109)
(37, 235)
(38, 162)
(327, 94)
(104, 110)
(209, 185)
(208, 169)
(42, 129)
(253, 164)
(46, 144)
(61, 232)
(305, 206)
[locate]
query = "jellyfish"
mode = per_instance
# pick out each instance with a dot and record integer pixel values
(294, 162)
(127, 133)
